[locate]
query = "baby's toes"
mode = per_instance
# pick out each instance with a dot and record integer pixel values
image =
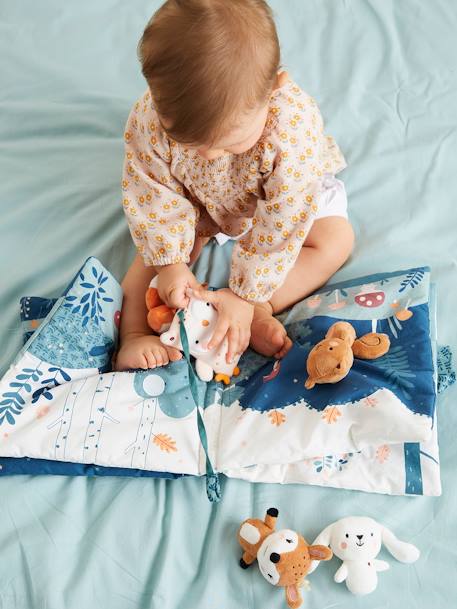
(150, 359)
(173, 354)
(285, 348)
(164, 356)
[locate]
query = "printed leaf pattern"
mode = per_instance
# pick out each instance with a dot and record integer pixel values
(331, 414)
(89, 304)
(276, 418)
(412, 280)
(13, 401)
(396, 368)
(370, 401)
(383, 453)
(165, 442)
(332, 462)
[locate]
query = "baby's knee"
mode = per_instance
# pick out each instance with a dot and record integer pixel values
(333, 238)
(346, 241)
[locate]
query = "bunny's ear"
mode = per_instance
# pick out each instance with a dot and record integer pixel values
(402, 551)
(323, 539)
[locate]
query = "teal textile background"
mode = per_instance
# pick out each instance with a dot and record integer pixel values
(383, 72)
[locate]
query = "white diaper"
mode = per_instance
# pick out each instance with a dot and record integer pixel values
(332, 202)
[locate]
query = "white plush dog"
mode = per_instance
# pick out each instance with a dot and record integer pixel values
(357, 541)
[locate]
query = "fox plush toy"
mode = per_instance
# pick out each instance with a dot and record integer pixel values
(284, 557)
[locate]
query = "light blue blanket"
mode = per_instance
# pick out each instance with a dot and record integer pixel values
(382, 72)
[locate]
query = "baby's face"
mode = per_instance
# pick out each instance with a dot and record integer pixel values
(237, 140)
(241, 138)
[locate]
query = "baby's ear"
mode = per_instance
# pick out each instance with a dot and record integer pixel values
(320, 553)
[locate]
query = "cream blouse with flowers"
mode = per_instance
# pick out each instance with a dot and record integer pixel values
(267, 194)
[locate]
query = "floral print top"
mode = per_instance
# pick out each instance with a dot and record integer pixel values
(268, 195)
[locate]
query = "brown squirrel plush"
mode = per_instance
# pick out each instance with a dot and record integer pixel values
(284, 557)
(331, 359)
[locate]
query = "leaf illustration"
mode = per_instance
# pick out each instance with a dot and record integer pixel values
(276, 418)
(412, 280)
(370, 401)
(165, 442)
(331, 414)
(382, 454)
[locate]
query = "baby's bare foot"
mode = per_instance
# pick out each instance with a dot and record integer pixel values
(144, 351)
(268, 335)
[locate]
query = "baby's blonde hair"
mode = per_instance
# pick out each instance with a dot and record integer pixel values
(207, 61)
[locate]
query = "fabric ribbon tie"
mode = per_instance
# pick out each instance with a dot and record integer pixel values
(213, 487)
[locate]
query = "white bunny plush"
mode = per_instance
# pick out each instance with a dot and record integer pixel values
(357, 541)
(200, 320)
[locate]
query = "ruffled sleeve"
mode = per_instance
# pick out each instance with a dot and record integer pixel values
(161, 220)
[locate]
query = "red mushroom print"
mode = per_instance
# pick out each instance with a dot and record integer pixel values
(117, 319)
(369, 297)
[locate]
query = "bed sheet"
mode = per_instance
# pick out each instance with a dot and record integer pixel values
(383, 72)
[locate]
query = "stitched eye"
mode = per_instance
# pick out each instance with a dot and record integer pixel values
(207, 304)
(338, 367)
(270, 576)
(372, 534)
(289, 540)
(347, 536)
(172, 338)
(330, 348)
(196, 342)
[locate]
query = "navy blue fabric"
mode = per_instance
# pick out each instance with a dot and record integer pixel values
(11, 466)
(407, 370)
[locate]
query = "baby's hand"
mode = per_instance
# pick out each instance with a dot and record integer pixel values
(144, 351)
(172, 284)
(234, 320)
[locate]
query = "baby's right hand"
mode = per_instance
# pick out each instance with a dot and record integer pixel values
(172, 284)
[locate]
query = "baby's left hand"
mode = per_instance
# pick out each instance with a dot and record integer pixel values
(234, 319)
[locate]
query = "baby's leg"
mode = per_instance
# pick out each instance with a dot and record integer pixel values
(139, 348)
(326, 249)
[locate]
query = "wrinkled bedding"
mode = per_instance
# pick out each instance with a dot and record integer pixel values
(383, 74)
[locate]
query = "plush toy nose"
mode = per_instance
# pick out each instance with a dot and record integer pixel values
(205, 322)
(274, 557)
(359, 537)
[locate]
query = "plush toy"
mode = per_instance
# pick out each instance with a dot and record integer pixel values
(200, 320)
(357, 541)
(284, 557)
(331, 359)
(159, 315)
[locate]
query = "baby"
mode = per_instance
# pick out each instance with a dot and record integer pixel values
(222, 142)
